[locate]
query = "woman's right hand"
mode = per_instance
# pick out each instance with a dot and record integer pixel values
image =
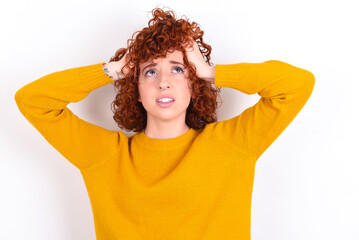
(113, 69)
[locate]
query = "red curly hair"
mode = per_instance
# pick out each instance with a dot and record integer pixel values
(163, 34)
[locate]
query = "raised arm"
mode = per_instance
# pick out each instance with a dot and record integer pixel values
(284, 90)
(44, 104)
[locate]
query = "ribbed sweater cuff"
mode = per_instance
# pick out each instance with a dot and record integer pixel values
(229, 75)
(250, 78)
(94, 76)
(226, 74)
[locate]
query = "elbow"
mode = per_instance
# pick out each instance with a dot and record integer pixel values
(304, 76)
(308, 80)
(20, 97)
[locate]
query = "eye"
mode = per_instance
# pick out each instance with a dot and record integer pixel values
(151, 70)
(179, 68)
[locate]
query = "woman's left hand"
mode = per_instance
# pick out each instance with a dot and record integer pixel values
(203, 70)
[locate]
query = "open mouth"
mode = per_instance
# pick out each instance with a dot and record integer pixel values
(165, 104)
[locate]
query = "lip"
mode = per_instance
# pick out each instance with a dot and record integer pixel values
(165, 96)
(166, 104)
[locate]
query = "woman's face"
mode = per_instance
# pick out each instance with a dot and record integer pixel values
(165, 76)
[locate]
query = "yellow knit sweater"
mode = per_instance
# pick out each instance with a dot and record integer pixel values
(194, 186)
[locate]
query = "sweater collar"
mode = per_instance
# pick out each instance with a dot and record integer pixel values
(164, 144)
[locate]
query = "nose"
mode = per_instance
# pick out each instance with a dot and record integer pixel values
(163, 82)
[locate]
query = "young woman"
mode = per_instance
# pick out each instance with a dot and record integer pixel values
(182, 175)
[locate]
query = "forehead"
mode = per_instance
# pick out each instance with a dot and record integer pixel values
(176, 56)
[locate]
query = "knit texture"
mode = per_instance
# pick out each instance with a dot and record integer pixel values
(194, 186)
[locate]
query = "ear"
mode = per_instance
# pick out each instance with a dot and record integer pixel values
(139, 99)
(193, 95)
(190, 85)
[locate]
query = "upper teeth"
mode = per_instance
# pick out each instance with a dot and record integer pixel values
(166, 100)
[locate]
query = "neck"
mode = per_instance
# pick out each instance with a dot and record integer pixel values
(165, 129)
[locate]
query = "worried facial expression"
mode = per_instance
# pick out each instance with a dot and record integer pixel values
(165, 76)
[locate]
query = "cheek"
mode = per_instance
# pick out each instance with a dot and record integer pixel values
(144, 92)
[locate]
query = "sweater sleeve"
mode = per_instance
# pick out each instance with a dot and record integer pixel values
(284, 90)
(44, 101)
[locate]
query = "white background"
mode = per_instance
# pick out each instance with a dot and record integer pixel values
(306, 183)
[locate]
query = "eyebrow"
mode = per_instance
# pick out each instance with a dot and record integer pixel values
(155, 64)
